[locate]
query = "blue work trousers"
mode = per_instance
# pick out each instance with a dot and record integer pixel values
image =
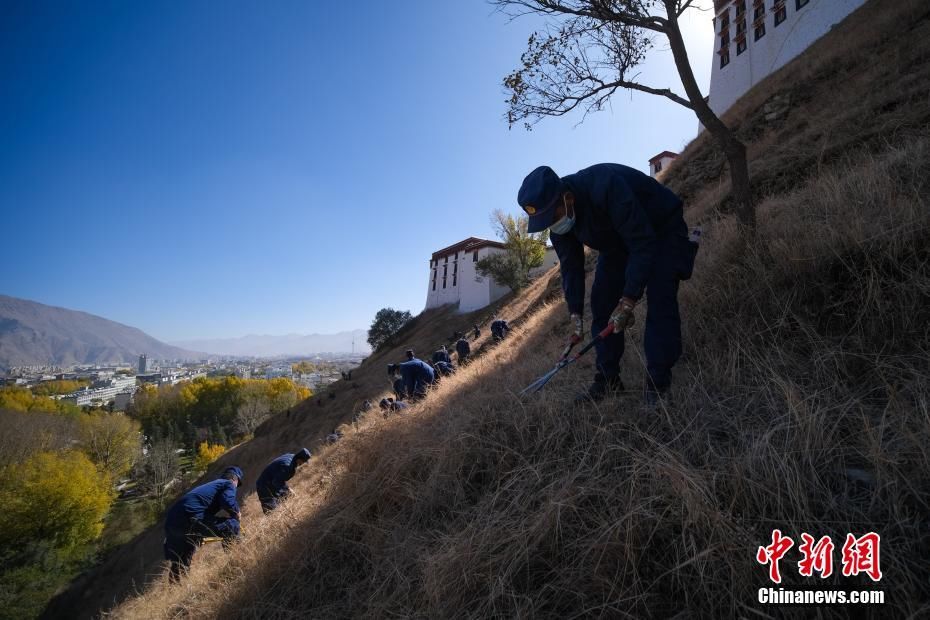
(662, 334)
(182, 541)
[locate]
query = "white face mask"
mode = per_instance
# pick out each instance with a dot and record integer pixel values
(562, 226)
(565, 224)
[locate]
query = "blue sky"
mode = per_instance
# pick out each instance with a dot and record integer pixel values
(213, 169)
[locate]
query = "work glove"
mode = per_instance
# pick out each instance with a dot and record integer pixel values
(578, 326)
(622, 317)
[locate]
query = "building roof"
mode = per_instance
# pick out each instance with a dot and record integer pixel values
(663, 154)
(468, 245)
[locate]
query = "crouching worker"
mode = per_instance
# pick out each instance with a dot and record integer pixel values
(389, 404)
(272, 484)
(195, 516)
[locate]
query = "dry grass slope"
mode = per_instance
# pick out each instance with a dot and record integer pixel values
(138, 562)
(803, 403)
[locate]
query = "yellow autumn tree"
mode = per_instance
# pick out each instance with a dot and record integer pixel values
(112, 440)
(206, 454)
(59, 498)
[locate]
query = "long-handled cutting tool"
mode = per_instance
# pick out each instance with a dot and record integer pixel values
(565, 360)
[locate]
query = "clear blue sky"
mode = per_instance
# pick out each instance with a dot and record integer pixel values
(212, 169)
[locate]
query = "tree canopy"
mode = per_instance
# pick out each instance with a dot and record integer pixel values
(386, 323)
(525, 251)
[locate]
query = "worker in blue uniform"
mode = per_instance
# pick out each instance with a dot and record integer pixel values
(637, 226)
(271, 485)
(442, 355)
(499, 329)
(462, 350)
(196, 515)
(417, 375)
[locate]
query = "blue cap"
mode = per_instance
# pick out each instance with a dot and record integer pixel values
(302, 455)
(234, 471)
(539, 196)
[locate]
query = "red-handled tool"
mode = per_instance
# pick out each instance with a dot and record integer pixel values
(537, 385)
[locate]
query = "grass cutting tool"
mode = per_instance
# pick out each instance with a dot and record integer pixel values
(565, 360)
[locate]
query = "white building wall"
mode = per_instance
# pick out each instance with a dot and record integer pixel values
(463, 284)
(776, 48)
(477, 291)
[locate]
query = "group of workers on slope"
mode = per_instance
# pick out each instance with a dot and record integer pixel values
(410, 379)
(211, 510)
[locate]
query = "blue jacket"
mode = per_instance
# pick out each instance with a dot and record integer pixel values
(616, 208)
(416, 375)
(462, 347)
(273, 481)
(442, 356)
(198, 503)
(499, 327)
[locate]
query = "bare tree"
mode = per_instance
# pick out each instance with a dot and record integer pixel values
(591, 49)
(159, 469)
(253, 409)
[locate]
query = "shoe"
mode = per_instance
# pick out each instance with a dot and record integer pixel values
(601, 387)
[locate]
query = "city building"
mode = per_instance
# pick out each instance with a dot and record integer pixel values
(660, 163)
(143, 364)
(453, 275)
(755, 38)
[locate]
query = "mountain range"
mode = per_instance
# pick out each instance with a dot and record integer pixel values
(35, 334)
(289, 344)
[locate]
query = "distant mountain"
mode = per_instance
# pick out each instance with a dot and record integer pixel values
(32, 334)
(288, 344)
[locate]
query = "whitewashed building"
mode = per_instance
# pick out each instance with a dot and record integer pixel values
(660, 163)
(454, 279)
(754, 38)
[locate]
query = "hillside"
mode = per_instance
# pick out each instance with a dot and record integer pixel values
(35, 334)
(801, 404)
(307, 425)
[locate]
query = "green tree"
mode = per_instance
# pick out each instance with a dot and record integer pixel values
(55, 497)
(592, 48)
(525, 251)
(387, 322)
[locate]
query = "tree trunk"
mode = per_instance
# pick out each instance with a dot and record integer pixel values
(735, 151)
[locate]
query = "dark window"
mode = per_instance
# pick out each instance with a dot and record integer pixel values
(740, 46)
(800, 4)
(781, 13)
(445, 270)
(454, 279)
(446, 260)
(759, 12)
(740, 27)
(658, 166)
(434, 284)
(760, 31)
(443, 283)
(724, 58)
(740, 8)
(474, 257)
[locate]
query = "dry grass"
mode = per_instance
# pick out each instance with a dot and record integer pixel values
(802, 403)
